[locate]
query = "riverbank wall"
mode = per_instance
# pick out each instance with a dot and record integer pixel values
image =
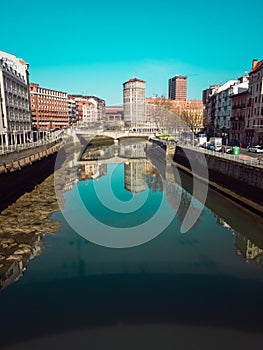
(22, 173)
(240, 182)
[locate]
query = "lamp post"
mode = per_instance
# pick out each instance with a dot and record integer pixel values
(224, 136)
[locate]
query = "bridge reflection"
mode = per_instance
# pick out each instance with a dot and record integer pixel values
(125, 150)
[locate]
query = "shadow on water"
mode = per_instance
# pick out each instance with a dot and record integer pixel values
(113, 300)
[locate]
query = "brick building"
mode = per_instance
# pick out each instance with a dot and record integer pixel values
(178, 88)
(49, 108)
(238, 116)
(255, 123)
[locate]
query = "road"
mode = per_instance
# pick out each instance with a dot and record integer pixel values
(250, 154)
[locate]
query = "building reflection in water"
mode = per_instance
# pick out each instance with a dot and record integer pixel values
(22, 226)
(246, 248)
(134, 174)
(137, 170)
(20, 243)
(248, 245)
(142, 166)
(92, 171)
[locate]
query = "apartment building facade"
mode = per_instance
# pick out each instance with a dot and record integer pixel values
(15, 113)
(89, 109)
(254, 126)
(240, 103)
(85, 111)
(134, 102)
(72, 111)
(219, 107)
(49, 108)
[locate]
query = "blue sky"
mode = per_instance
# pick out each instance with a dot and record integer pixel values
(92, 47)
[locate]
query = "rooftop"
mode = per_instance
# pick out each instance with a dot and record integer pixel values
(258, 66)
(133, 80)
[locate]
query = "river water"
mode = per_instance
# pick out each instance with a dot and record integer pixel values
(121, 265)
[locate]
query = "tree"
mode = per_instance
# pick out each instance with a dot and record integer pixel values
(159, 110)
(191, 113)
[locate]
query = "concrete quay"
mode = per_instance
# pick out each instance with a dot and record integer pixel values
(17, 160)
(237, 179)
(21, 172)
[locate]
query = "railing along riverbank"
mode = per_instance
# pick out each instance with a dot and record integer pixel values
(240, 158)
(19, 159)
(15, 157)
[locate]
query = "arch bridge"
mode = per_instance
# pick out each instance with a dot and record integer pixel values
(116, 135)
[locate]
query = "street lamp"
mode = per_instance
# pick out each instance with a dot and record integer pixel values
(224, 136)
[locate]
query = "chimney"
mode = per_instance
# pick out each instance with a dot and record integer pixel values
(254, 63)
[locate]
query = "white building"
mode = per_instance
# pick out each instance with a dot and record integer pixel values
(134, 174)
(94, 109)
(15, 112)
(134, 102)
(223, 103)
(88, 109)
(90, 113)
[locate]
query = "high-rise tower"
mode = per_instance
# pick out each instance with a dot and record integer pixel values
(178, 88)
(134, 101)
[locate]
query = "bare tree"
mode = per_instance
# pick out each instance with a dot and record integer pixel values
(175, 115)
(192, 114)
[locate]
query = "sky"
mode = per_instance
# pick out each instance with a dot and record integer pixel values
(93, 47)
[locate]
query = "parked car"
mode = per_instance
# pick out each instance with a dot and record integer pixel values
(255, 149)
(227, 149)
(216, 148)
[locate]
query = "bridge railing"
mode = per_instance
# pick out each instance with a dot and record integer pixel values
(114, 134)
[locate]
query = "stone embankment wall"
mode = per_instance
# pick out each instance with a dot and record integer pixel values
(21, 173)
(241, 182)
(16, 160)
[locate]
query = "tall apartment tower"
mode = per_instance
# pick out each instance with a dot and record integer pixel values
(178, 88)
(134, 101)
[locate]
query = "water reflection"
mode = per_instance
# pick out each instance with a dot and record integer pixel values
(250, 251)
(144, 167)
(23, 224)
(196, 278)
